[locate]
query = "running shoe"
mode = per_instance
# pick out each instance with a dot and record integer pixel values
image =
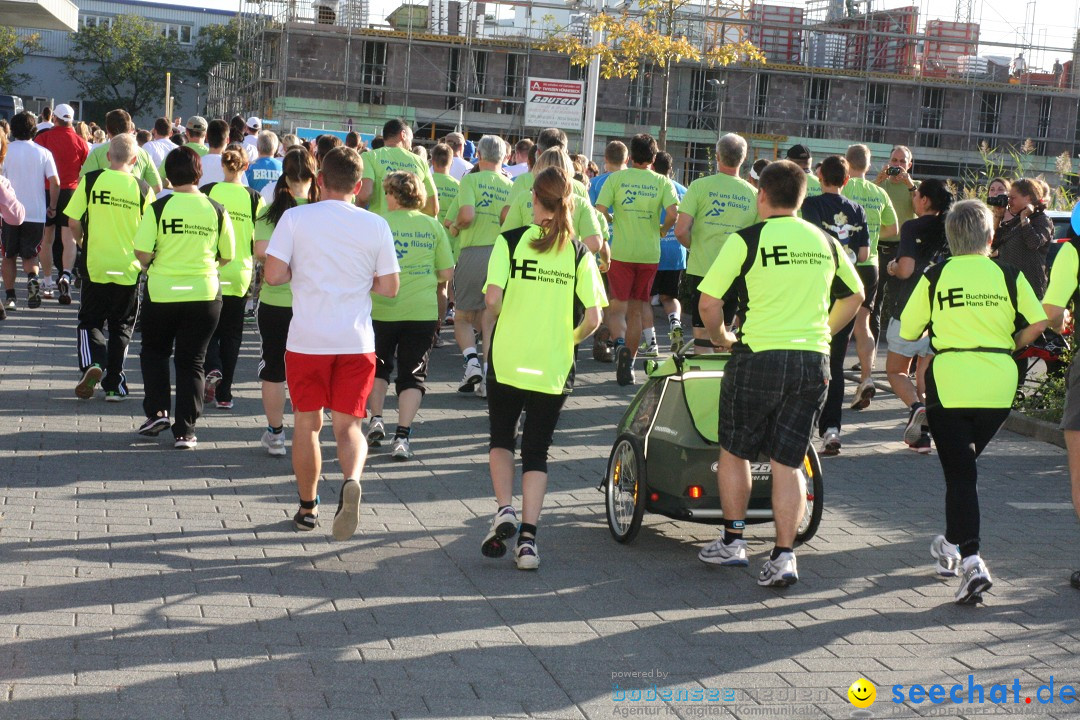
(399, 449)
(719, 553)
(525, 555)
(48, 288)
(602, 347)
(831, 445)
(85, 389)
(624, 365)
(922, 445)
(915, 425)
(676, 337)
(863, 395)
(947, 556)
(449, 319)
(473, 375)
(651, 350)
(114, 396)
(33, 293)
(10, 304)
(304, 520)
(274, 443)
(210, 386)
(974, 581)
(504, 526)
(154, 425)
(347, 516)
(376, 432)
(223, 404)
(186, 442)
(780, 572)
(481, 389)
(63, 287)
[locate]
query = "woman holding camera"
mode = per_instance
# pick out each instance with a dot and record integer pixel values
(1024, 239)
(997, 197)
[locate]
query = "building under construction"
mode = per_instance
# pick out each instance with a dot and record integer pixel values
(838, 71)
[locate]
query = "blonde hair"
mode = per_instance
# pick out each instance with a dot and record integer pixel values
(406, 188)
(555, 157)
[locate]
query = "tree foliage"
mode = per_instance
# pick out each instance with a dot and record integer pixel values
(14, 47)
(654, 36)
(124, 64)
(215, 44)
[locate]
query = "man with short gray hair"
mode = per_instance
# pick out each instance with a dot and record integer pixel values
(713, 208)
(113, 202)
(267, 167)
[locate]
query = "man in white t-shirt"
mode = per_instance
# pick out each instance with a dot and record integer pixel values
(29, 168)
(459, 166)
(217, 139)
(251, 138)
(161, 143)
(335, 255)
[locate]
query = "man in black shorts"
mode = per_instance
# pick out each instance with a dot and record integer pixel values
(786, 273)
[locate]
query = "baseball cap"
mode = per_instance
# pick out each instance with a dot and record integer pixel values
(196, 123)
(798, 152)
(254, 123)
(65, 112)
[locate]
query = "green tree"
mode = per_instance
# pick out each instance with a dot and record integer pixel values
(13, 50)
(215, 44)
(654, 36)
(124, 64)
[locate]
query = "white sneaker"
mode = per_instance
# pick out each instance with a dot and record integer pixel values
(863, 395)
(274, 443)
(719, 553)
(830, 445)
(399, 449)
(48, 288)
(947, 556)
(481, 389)
(473, 376)
(781, 572)
(525, 555)
(376, 432)
(504, 526)
(974, 582)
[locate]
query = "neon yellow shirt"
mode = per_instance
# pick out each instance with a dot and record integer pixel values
(879, 210)
(447, 187)
(636, 199)
(523, 184)
(423, 249)
(970, 308)
(487, 193)
(791, 279)
(276, 295)
(116, 206)
(98, 159)
(237, 199)
(583, 215)
(533, 344)
(1063, 276)
(813, 185)
(380, 163)
(720, 205)
(186, 242)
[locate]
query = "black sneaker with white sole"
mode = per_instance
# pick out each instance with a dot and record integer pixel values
(91, 377)
(154, 425)
(624, 365)
(504, 526)
(33, 293)
(916, 425)
(63, 286)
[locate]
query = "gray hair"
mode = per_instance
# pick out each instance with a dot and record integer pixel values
(731, 150)
(289, 140)
(456, 141)
(490, 149)
(969, 226)
(267, 143)
(122, 148)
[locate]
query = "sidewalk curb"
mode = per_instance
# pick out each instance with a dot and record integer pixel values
(1041, 430)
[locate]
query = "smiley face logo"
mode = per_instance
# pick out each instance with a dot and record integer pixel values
(862, 693)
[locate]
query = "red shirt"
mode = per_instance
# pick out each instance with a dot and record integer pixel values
(69, 152)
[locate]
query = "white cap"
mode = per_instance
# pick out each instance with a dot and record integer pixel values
(65, 112)
(254, 123)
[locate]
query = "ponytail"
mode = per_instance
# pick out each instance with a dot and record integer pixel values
(297, 166)
(552, 191)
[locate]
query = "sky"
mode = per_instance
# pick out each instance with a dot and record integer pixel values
(1023, 22)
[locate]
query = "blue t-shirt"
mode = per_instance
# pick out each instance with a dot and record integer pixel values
(672, 253)
(262, 171)
(594, 187)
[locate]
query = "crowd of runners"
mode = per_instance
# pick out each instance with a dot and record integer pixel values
(352, 261)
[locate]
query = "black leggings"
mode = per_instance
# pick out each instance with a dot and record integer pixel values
(961, 434)
(224, 348)
(505, 405)
(834, 400)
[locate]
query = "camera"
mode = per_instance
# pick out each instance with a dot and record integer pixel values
(998, 200)
(893, 171)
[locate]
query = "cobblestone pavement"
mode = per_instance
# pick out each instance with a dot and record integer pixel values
(141, 582)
